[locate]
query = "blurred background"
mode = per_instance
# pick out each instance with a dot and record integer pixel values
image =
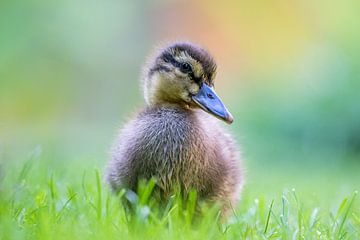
(289, 71)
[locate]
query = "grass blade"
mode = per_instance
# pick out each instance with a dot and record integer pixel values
(268, 216)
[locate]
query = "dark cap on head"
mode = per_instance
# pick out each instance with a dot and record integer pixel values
(197, 53)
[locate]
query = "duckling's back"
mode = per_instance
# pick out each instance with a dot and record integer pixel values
(177, 147)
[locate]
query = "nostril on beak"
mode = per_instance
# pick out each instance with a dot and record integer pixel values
(209, 95)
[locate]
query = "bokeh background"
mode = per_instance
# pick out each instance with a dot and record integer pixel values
(289, 71)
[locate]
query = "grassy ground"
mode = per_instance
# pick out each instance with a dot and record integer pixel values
(43, 199)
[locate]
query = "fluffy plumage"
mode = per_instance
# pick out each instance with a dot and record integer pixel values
(172, 139)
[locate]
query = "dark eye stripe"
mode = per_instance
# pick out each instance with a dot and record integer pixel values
(185, 67)
(195, 79)
(167, 57)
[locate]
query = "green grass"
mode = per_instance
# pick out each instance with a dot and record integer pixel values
(42, 199)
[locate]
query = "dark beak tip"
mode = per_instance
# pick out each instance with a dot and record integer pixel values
(229, 119)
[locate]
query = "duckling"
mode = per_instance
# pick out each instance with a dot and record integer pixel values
(175, 137)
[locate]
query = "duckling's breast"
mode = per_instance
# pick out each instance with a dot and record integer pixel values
(170, 145)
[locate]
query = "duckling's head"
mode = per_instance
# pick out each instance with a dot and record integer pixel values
(183, 74)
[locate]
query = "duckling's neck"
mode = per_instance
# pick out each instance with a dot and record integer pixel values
(181, 106)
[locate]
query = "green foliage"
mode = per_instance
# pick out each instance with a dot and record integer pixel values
(55, 205)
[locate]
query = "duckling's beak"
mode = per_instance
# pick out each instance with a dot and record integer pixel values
(207, 99)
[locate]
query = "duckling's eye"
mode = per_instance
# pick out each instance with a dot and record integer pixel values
(185, 67)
